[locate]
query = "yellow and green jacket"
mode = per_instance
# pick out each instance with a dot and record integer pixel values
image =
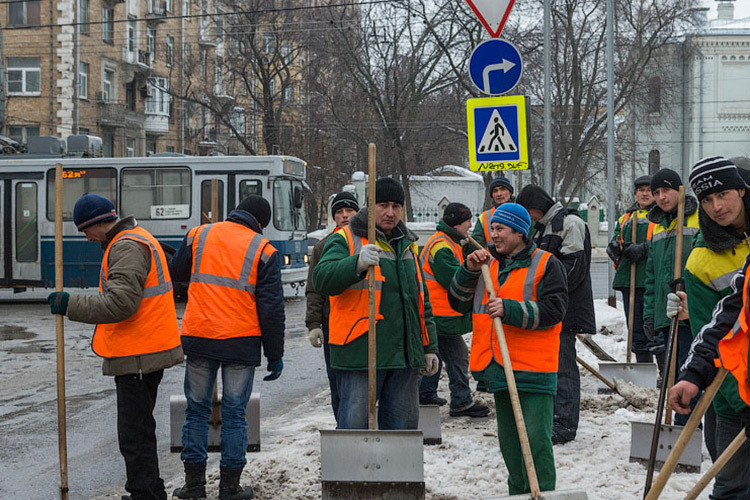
(624, 234)
(716, 258)
(661, 258)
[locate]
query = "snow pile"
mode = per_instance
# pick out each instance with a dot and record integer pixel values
(468, 464)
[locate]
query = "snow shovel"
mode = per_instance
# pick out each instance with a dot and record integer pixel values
(515, 402)
(372, 464)
(612, 386)
(692, 424)
(640, 374)
(62, 432)
(668, 379)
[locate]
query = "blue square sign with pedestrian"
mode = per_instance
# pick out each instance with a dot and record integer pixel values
(497, 133)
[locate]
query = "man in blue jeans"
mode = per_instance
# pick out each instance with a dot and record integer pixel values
(235, 303)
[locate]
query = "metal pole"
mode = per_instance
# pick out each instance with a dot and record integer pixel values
(610, 137)
(547, 103)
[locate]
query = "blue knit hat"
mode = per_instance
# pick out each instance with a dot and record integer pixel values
(514, 216)
(501, 181)
(92, 209)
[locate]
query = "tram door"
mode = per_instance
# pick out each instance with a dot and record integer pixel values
(19, 234)
(204, 181)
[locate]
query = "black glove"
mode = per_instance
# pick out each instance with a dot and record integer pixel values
(635, 252)
(58, 302)
(614, 251)
(658, 345)
(275, 368)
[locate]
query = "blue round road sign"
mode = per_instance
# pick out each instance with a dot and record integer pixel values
(495, 66)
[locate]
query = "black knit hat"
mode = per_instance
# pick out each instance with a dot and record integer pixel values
(713, 175)
(533, 197)
(644, 180)
(666, 178)
(501, 181)
(456, 213)
(258, 207)
(344, 200)
(389, 189)
(92, 209)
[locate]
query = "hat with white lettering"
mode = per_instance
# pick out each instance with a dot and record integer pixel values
(713, 175)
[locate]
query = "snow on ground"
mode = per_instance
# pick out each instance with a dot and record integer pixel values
(468, 465)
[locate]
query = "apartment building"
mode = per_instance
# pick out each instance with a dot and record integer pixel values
(147, 76)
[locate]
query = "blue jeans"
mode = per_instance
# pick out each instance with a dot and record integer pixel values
(568, 398)
(237, 385)
(454, 355)
(397, 394)
(733, 480)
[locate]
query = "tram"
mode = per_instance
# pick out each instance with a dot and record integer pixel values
(167, 193)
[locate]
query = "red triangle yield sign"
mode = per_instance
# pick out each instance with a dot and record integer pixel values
(492, 13)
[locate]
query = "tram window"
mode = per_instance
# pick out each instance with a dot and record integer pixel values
(287, 216)
(27, 227)
(206, 215)
(250, 187)
(156, 193)
(76, 183)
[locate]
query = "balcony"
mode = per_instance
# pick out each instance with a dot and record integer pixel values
(156, 14)
(156, 124)
(111, 114)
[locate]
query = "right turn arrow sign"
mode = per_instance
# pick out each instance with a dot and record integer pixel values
(492, 13)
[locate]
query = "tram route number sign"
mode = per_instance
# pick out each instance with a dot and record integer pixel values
(498, 133)
(170, 211)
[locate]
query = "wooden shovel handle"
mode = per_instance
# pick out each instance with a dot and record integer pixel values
(717, 466)
(515, 402)
(677, 274)
(62, 433)
(687, 432)
(371, 306)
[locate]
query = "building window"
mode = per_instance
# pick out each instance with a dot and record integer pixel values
(169, 149)
(130, 148)
(158, 102)
(21, 133)
(130, 96)
(150, 44)
(170, 50)
(286, 52)
(289, 94)
(203, 63)
(272, 87)
(653, 99)
(238, 121)
(268, 43)
(83, 80)
(83, 16)
(219, 87)
(654, 161)
(186, 8)
(23, 13)
(168, 5)
(108, 144)
(150, 146)
(131, 34)
(108, 25)
(108, 80)
(24, 76)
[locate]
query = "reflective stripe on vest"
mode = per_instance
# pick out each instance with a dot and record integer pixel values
(733, 348)
(486, 219)
(438, 293)
(530, 349)
(153, 328)
(349, 309)
(221, 298)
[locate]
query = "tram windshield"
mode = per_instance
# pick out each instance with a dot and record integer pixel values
(288, 205)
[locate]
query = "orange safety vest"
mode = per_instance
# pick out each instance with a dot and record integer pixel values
(221, 298)
(349, 309)
(733, 349)
(486, 219)
(153, 328)
(530, 349)
(438, 294)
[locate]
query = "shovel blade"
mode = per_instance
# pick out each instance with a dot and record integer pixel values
(640, 374)
(555, 495)
(640, 446)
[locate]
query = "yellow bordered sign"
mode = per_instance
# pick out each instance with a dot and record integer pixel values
(498, 133)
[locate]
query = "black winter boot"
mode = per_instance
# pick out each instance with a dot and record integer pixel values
(195, 483)
(229, 485)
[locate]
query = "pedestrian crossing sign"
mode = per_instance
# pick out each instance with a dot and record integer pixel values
(497, 130)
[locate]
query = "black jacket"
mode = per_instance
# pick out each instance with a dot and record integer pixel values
(563, 232)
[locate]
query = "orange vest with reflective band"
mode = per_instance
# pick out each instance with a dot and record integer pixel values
(221, 298)
(486, 218)
(530, 349)
(733, 349)
(153, 328)
(438, 294)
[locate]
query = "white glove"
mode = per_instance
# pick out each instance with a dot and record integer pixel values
(677, 305)
(316, 337)
(369, 255)
(431, 364)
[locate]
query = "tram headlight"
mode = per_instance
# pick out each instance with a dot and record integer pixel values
(305, 258)
(287, 259)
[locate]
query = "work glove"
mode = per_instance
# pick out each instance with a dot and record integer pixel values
(635, 252)
(369, 255)
(275, 368)
(614, 251)
(658, 345)
(677, 305)
(431, 364)
(58, 302)
(316, 337)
